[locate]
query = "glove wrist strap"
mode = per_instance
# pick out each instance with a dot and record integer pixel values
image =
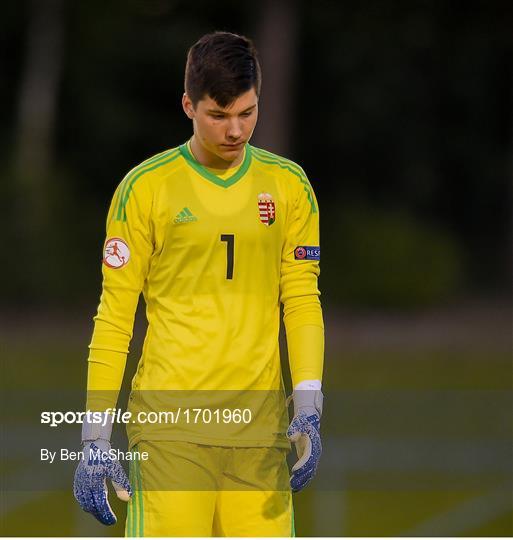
(309, 401)
(91, 430)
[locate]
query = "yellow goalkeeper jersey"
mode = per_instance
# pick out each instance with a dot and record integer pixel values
(214, 256)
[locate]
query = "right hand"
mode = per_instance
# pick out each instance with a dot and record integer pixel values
(90, 482)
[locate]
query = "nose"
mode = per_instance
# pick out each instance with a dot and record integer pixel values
(234, 131)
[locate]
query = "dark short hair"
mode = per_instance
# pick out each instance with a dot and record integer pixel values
(223, 66)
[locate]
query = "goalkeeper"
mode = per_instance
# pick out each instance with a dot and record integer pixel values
(216, 234)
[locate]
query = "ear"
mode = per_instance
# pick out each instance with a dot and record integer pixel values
(187, 106)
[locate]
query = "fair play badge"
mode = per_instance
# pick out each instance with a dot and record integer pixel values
(116, 253)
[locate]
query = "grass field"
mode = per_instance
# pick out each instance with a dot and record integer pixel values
(417, 428)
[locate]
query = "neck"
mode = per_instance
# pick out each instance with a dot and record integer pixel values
(209, 159)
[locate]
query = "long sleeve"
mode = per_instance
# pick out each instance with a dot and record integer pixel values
(127, 252)
(299, 291)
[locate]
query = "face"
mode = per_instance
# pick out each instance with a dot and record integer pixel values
(222, 132)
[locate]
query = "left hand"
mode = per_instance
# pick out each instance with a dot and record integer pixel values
(304, 431)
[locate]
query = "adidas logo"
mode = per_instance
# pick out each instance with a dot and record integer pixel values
(185, 216)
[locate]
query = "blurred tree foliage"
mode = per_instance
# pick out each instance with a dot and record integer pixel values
(400, 112)
(390, 259)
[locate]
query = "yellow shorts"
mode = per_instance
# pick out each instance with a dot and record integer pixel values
(187, 489)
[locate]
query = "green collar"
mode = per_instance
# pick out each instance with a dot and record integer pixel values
(211, 176)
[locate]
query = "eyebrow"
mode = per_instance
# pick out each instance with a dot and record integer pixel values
(219, 111)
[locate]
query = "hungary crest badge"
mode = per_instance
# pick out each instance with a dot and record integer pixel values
(266, 209)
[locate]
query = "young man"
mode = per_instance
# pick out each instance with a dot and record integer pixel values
(216, 234)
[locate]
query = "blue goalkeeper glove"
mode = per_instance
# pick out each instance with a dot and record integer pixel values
(90, 482)
(304, 431)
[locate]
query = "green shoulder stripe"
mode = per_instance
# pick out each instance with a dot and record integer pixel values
(269, 155)
(125, 181)
(129, 182)
(272, 159)
(264, 154)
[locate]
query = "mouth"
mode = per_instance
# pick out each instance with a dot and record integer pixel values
(235, 146)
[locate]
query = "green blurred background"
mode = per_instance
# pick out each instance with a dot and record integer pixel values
(401, 114)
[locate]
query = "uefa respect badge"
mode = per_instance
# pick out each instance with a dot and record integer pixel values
(307, 253)
(116, 253)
